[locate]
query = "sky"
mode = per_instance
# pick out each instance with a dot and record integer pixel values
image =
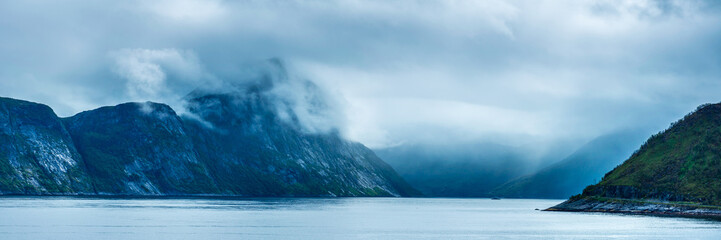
(521, 73)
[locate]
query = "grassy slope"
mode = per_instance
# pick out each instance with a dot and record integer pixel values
(683, 161)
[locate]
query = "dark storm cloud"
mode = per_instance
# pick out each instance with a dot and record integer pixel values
(526, 73)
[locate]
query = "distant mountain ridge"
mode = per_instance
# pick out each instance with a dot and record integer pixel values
(585, 166)
(239, 142)
(461, 170)
(677, 172)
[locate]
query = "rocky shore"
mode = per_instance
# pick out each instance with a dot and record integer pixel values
(637, 206)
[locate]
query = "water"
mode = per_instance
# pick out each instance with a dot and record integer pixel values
(344, 218)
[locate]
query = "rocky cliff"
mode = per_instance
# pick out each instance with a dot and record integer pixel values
(37, 155)
(138, 149)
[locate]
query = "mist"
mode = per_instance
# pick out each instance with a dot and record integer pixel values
(542, 77)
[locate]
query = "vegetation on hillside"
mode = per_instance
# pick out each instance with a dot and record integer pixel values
(682, 163)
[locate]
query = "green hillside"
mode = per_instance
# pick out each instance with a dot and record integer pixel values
(681, 164)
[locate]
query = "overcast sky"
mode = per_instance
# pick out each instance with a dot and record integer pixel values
(510, 72)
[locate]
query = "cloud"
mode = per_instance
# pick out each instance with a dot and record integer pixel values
(155, 75)
(296, 100)
(316, 110)
(501, 71)
(186, 11)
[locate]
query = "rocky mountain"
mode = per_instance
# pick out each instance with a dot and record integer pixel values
(37, 155)
(256, 142)
(585, 166)
(677, 171)
(138, 149)
(266, 136)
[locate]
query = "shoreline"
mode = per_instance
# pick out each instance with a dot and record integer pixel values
(179, 196)
(638, 207)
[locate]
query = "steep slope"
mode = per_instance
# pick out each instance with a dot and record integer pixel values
(257, 143)
(680, 166)
(37, 155)
(139, 149)
(465, 170)
(585, 166)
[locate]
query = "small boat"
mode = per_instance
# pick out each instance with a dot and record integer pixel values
(495, 198)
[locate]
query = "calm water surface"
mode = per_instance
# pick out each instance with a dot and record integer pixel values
(344, 218)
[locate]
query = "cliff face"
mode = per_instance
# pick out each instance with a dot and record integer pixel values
(138, 149)
(37, 155)
(681, 165)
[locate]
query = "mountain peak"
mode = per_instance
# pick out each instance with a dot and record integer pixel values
(271, 93)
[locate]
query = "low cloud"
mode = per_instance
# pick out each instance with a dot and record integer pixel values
(509, 72)
(317, 110)
(295, 99)
(157, 74)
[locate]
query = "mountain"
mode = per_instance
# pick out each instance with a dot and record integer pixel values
(677, 171)
(268, 135)
(585, 166)
(257, 142)
(37, 155)
(138, 149)
(462, 170)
